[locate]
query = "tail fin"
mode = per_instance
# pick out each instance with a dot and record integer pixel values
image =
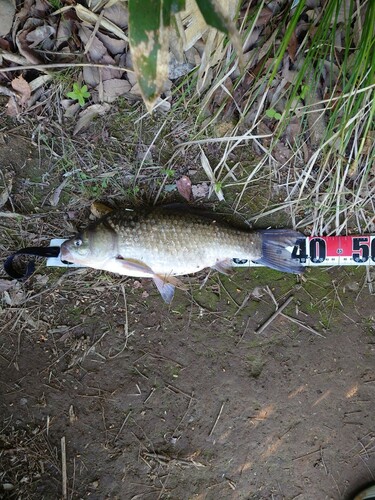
(275, 251)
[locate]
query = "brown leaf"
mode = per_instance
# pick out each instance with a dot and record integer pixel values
(40, 34)
(87, 115)
(264, 17)
(184, 187)
(55, 197)
(200, 190)
(6, 284)
(292, 46)
(8, 9)
(21, 86)
(112, 44)
(5, 193)
(12, 108)
(99, 209)
(114, 88)
(24, 49)
(118, 14)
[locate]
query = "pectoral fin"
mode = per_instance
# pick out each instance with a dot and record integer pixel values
(133, 265)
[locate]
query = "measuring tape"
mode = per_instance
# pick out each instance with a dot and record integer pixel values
(329, 251)
(309, 251)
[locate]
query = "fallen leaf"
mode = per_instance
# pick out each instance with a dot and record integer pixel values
(99, 209)
(112, 89)
(264, 17)
(184, 187)
(64, 31)
(14, 296)
(292, 46)
(23, 47)
(7, 9)
(40, 34)
(55, 198)
(200, 190)
(12, 108)
(113, 45)
(87, 115)
(6, 284)
(21, 86)
(5, 193)
(117, 14)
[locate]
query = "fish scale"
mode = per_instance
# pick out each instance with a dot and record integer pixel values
(177, 244)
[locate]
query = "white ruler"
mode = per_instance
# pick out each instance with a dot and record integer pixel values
(310, 251)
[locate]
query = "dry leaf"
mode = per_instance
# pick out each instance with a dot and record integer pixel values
(112, 89)
(264, 17)
(184, 187)
(25, 50)
(6, 284)
(200, 190)
(113, 45)
(87, 115)
(99, 209)
(7, 9)
(40, 34)
(21, 86)
(54, 199)
(14, 296)
(117, 14)
(292, 46)
(89, 17)
(5, 193)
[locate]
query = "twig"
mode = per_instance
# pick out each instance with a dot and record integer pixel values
(126, 326)
(269, 291)
(217, 419)
(244, 331)
(303, 325)
(175, 389)
(122, 425)
(63, 469)
(274, 315)
(150, 394)
(65, 65)
(308, 454)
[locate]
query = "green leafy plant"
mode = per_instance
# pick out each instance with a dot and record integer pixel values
(272, 113)
(169, 172)
(80, 94)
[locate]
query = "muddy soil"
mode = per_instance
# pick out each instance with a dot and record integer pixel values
(148, 401)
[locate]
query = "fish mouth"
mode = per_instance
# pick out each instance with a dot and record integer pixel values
(65, 255)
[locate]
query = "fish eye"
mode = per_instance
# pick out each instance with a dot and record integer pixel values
(78, 242)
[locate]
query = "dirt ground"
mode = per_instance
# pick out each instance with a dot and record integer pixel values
(179, 402)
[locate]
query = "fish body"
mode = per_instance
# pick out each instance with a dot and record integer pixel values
(164, 243)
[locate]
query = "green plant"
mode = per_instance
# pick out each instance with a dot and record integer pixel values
(272, 113)
(79, 93)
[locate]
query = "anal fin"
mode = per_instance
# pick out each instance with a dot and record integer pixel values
(166, 286)
(166, 290)
(224, 266)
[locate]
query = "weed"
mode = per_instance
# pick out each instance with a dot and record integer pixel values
(80, 94)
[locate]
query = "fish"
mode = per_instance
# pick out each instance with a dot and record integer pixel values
(163, 243)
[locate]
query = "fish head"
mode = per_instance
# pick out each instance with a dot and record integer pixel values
(91, 247)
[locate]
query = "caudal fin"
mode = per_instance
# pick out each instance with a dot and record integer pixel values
(277, 246)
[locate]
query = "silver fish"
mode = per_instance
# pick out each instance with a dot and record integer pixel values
(163, 243)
